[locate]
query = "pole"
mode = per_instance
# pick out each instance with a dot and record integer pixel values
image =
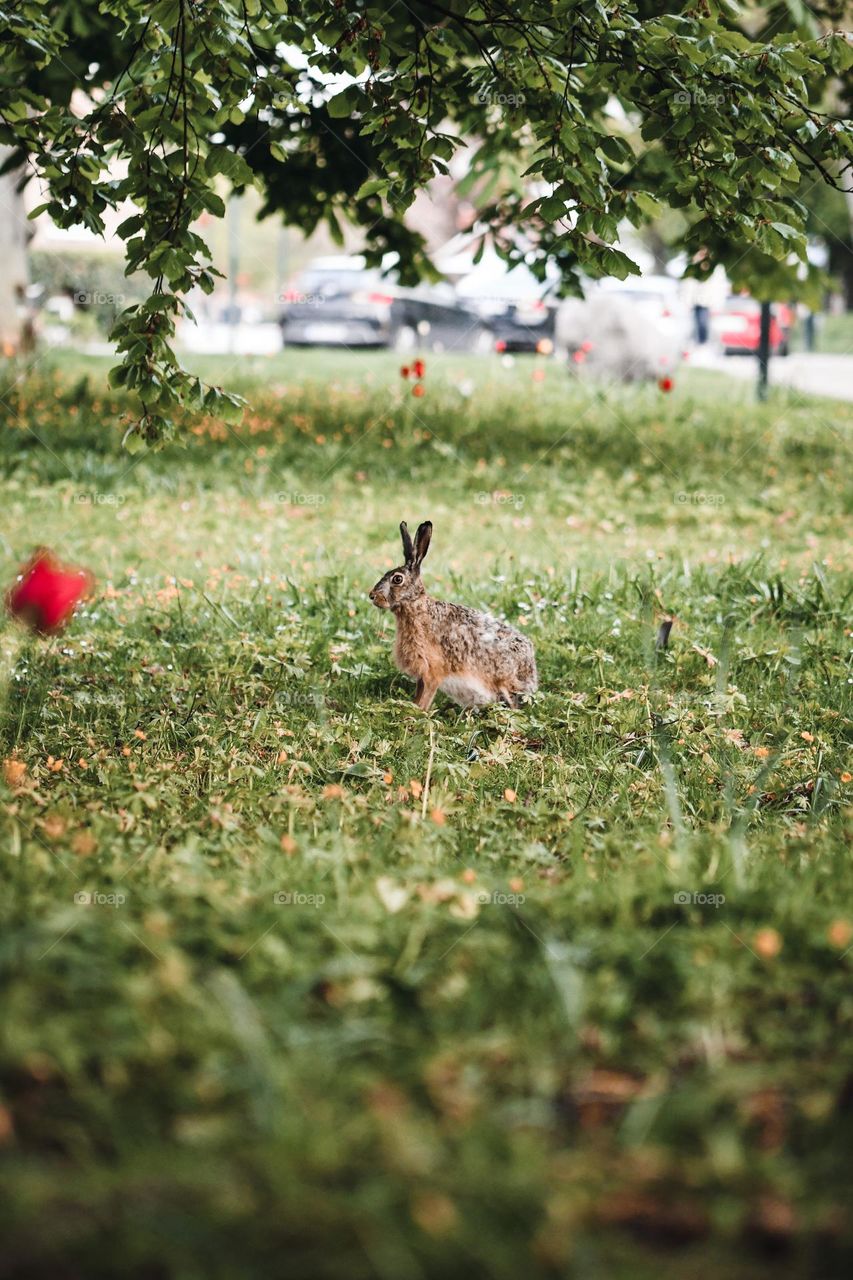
(764, 351)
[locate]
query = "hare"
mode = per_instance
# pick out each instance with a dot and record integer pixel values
(472, 657)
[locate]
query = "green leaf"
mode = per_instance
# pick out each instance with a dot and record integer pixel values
(230, 163)
(372, 187)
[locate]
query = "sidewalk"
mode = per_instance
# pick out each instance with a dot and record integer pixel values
(812, 373)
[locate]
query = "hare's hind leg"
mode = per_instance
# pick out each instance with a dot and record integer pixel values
(424, 694)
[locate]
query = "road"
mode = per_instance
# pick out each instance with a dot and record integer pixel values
(811, 373)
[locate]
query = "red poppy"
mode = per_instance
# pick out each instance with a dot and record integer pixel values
(47, 592)
(419, 368)
(405, 371)
(418, 389)
(666, 384)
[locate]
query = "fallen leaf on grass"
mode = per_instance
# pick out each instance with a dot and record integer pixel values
(84, 844)
(840, 933)
(53, 826)
(434, 1213)
(14, 771)
(768, 943)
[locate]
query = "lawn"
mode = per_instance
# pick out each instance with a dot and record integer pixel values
(835, 334)
(352, 990)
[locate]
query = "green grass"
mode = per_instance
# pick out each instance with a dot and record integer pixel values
(486, 1036)
(835, 334)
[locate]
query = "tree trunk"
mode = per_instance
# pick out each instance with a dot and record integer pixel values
(15, 329)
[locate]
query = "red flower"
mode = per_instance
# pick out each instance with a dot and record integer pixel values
(418, 389)
(419, 368)
(47, 592)
(666, 384)
(405, 371)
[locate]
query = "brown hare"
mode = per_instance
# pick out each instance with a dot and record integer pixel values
(472, 657)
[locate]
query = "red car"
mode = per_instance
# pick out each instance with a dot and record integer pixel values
(737, 327)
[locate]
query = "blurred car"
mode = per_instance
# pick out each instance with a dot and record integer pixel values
(519, 310)
(630, 330)
(340, 302)
(736, 328)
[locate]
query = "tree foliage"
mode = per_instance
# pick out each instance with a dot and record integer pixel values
(574, 116)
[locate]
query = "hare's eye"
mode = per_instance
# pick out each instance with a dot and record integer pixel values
(397, 580)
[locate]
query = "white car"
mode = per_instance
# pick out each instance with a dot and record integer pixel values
(632, 330)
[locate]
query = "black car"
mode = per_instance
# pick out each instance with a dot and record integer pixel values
(524, 327)
(519, 310)
(339, 302)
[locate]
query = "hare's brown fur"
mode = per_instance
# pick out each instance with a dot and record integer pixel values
(471, 656)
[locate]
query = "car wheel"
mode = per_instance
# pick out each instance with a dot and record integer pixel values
(405, 339)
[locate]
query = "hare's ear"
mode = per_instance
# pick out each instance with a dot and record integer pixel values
(408, 547)
(422, 539)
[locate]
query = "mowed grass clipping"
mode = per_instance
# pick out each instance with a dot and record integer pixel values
(301, 981)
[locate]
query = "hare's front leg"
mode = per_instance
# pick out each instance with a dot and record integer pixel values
(424, 694)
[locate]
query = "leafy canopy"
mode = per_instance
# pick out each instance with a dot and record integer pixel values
(573, 116)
